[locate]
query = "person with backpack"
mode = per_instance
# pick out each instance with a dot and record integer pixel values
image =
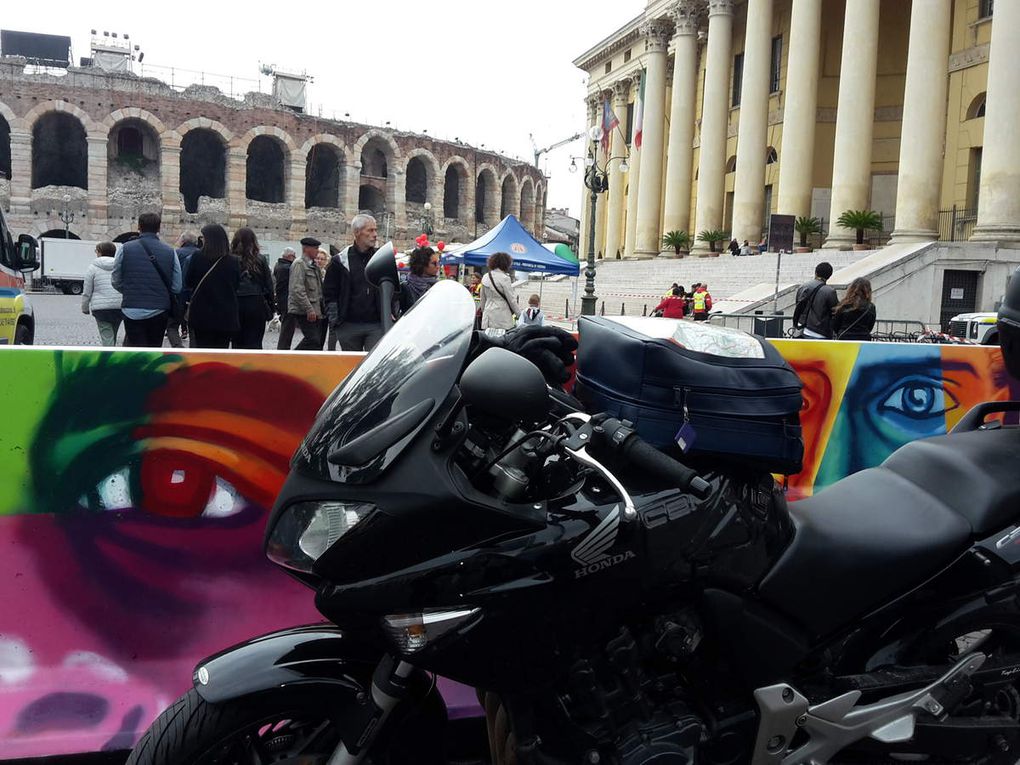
(816, 300)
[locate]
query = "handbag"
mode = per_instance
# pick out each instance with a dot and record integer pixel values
(194, 292)
(178, 313)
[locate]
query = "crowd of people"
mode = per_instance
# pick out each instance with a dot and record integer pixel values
(676, 303)
(219, 292)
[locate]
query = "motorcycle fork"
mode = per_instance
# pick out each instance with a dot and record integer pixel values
(391, 684)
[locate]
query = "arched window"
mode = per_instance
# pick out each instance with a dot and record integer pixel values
(771, 156)
(485, 198)
(5, 149)
(129, 142)
(731, 164)
(59, 151)
(452, 184)
(264, 177)
(203, 167)
(977, 107)
(417, 181)
(509, 192)
(373, 162)
(322, 177)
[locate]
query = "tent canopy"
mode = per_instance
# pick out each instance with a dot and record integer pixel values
(511, 237)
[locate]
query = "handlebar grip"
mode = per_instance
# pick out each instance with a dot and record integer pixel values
(642, 454)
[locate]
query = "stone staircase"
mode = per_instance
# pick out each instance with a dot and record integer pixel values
(634, 286)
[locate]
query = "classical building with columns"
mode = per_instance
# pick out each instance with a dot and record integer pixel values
(106, 146)
(810, 108)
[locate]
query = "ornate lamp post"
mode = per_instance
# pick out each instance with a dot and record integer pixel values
(596, 180)
(66, 214)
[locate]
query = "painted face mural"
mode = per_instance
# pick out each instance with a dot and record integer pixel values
(134, 490)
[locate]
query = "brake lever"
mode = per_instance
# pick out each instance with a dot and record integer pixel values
(582, 457)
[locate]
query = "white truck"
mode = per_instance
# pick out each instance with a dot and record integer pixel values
(980, 328)
(64, 263)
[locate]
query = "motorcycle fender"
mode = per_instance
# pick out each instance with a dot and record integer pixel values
(319, 654)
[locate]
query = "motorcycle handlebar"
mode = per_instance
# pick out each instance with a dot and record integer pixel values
(640, 453)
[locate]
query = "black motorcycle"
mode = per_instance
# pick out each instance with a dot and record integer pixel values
(455, 516)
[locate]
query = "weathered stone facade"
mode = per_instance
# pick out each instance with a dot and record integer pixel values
(248, 162)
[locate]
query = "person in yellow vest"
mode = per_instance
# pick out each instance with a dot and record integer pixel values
(702, 303)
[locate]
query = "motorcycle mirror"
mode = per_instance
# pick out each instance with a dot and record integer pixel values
(505, 385)
(382, 267)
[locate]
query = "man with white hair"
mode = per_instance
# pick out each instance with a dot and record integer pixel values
(352, 304)
(281, 281)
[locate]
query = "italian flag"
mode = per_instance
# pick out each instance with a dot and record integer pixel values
(639, 112)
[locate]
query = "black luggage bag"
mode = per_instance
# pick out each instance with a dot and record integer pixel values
(736, 393)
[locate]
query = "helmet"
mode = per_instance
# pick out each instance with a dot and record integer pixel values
(1009, 326)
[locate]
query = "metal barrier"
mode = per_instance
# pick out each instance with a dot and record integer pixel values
(781, 325)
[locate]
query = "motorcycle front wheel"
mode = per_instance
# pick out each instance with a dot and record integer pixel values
(285, 727)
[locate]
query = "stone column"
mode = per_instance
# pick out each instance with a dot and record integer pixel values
(749, 186)
(98, 160)
(237, 174)
(170, 180)
(617, 179)
(296, 198)
(680, 156)
(649, 213)
(21, 172)
(797, 153)
(999, 195)
(714, 114)
(924, 123)
(591, 103)
(632, 183)
(855, 117)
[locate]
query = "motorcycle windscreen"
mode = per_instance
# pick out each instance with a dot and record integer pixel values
(374, 413)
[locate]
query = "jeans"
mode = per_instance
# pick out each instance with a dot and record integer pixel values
(108, 321)
(358, 337)
(288, 323)
(145, 333)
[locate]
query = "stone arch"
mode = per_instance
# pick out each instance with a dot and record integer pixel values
(540, 193)
(456, 188)
(324, 175)
(509, 191)
(134, 113)
(342, 149)
(393, 151)
(379, 157)
(39, 110)
(196, 123)
(423, 169)
(266, 167)
(203, 165)
(58, 233)
(59, 150)
(281, 135)
(977, 106)
(486, 196)
(527, 204)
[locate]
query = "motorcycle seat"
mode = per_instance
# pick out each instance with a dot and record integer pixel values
(880, 532)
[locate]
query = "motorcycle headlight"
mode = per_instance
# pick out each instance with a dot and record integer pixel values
(306, 530)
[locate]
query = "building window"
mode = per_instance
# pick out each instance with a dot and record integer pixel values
(630, 123)
(626, 56)
(777, 59)
(974, 180)
(738, 77)
(609, 67)
(977, 107)
(985, 8)
(767, 207)
(771, 156)
(731, 164)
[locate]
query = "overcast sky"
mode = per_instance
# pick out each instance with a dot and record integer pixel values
(484, 72)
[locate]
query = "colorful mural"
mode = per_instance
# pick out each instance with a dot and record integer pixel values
(134, 487)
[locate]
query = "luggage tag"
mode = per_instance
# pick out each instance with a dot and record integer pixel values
(686, 436)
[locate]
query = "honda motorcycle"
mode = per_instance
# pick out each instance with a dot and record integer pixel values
(455, 516)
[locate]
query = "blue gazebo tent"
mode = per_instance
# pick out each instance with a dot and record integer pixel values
(511, 237)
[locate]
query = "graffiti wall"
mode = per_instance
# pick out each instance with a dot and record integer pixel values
(134, 487)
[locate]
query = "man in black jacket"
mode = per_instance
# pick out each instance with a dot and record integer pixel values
(281, 282)
(815, 301)
(352, 304)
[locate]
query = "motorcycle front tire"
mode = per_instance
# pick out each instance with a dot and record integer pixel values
(276, 725)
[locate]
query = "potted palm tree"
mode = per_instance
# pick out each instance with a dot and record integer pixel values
(805, 226)
(860, 221)
(678, 241)
(711, 237)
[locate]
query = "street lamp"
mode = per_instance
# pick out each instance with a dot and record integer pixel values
(425, 221)
(596, 180)
(66, 215)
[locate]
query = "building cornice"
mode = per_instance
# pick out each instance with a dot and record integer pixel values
(626, 35)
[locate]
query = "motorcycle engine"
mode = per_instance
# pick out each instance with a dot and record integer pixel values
(669, 741)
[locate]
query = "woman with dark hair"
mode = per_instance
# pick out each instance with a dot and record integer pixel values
(213, 277)
(424, 265)
(254, 291)
(853, 318)
(498, 303)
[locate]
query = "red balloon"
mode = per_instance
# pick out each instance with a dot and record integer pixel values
(441, 246)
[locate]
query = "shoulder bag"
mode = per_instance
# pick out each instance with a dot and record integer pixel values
(177, 313)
